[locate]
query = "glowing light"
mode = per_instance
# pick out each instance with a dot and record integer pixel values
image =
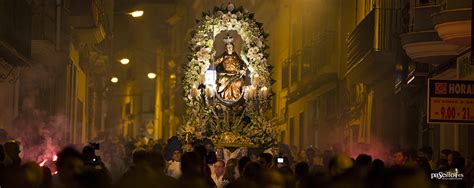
(210, 77)
(137, 13)
(55, 157)
(411, 79)
(55, 173)
(151, 75)
(114, 79)
(44, 161)
(125, 61)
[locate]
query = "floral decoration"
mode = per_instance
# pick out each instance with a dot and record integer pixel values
(200, 120)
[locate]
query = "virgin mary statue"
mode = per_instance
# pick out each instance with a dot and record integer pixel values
(231, 73)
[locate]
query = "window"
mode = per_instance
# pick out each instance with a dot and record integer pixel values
(301, 127)
(294, 69)
(331, 103)
(79, 115)
(292, 131)
(285, 74)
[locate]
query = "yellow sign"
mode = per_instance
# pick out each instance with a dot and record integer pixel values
(451, 109)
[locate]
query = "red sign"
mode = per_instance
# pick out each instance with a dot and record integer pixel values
(450, 101)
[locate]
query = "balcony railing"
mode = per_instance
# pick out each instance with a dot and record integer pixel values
(374, 33)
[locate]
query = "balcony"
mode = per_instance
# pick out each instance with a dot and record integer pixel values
(422, 43)
(370, 46)
(84, 19)
(454, 23)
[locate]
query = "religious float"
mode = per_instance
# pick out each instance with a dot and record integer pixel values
(227, 81)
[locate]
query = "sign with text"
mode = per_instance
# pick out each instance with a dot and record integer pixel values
(450, 101)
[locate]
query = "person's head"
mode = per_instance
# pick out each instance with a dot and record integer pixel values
(138, 156)
(444, 153)
(191, 164)
(219, 168)
(229, 48)
(176, 155)
(340, 164)
(265, 159)
(242, 162)
(378, 165)
(276, 150)
(156, 161)
(244, 151)
(252, 171)
(423, 164)
(455, 160)
(301, 170)
(211, 157)
(32, 174)
(69, 163)
(201, 150)
(220, 153)
(400, 157)
(188, 147)
(426, 152)
(442, 165)
(12, 149)
(363, 160)
(88, 153)
(302, 155)
(453, 155)
(272, 178)
(208, 145)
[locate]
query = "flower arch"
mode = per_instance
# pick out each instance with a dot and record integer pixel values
(200, 122)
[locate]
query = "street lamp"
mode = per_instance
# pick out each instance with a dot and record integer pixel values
(136, 14)
(151, 75)
(125, 61)
(114, 80)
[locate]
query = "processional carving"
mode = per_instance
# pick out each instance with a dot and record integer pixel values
(227, 95)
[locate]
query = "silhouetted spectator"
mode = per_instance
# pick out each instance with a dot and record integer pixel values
(288, 176)
(69, 166)
(242, 162)
(12, 153)
(378, 165)
(424, 165)
(444, 153)
(230, 174)
(427, 152)
(47, 176)
(301, 170)
(363, 160)
(192, 171)
(456, 161)
(265, 159)
(442, 165)
(400, 157)
(252, 171)
(339, 164)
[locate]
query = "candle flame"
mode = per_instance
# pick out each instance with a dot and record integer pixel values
(44, 161)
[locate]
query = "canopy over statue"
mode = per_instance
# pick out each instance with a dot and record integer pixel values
(227, 95)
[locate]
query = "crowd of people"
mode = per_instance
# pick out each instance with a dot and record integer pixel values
(156, 164)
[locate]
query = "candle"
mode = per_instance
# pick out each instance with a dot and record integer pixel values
(209, 91)
(194, 91)
(263, 94)
(256, 79)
